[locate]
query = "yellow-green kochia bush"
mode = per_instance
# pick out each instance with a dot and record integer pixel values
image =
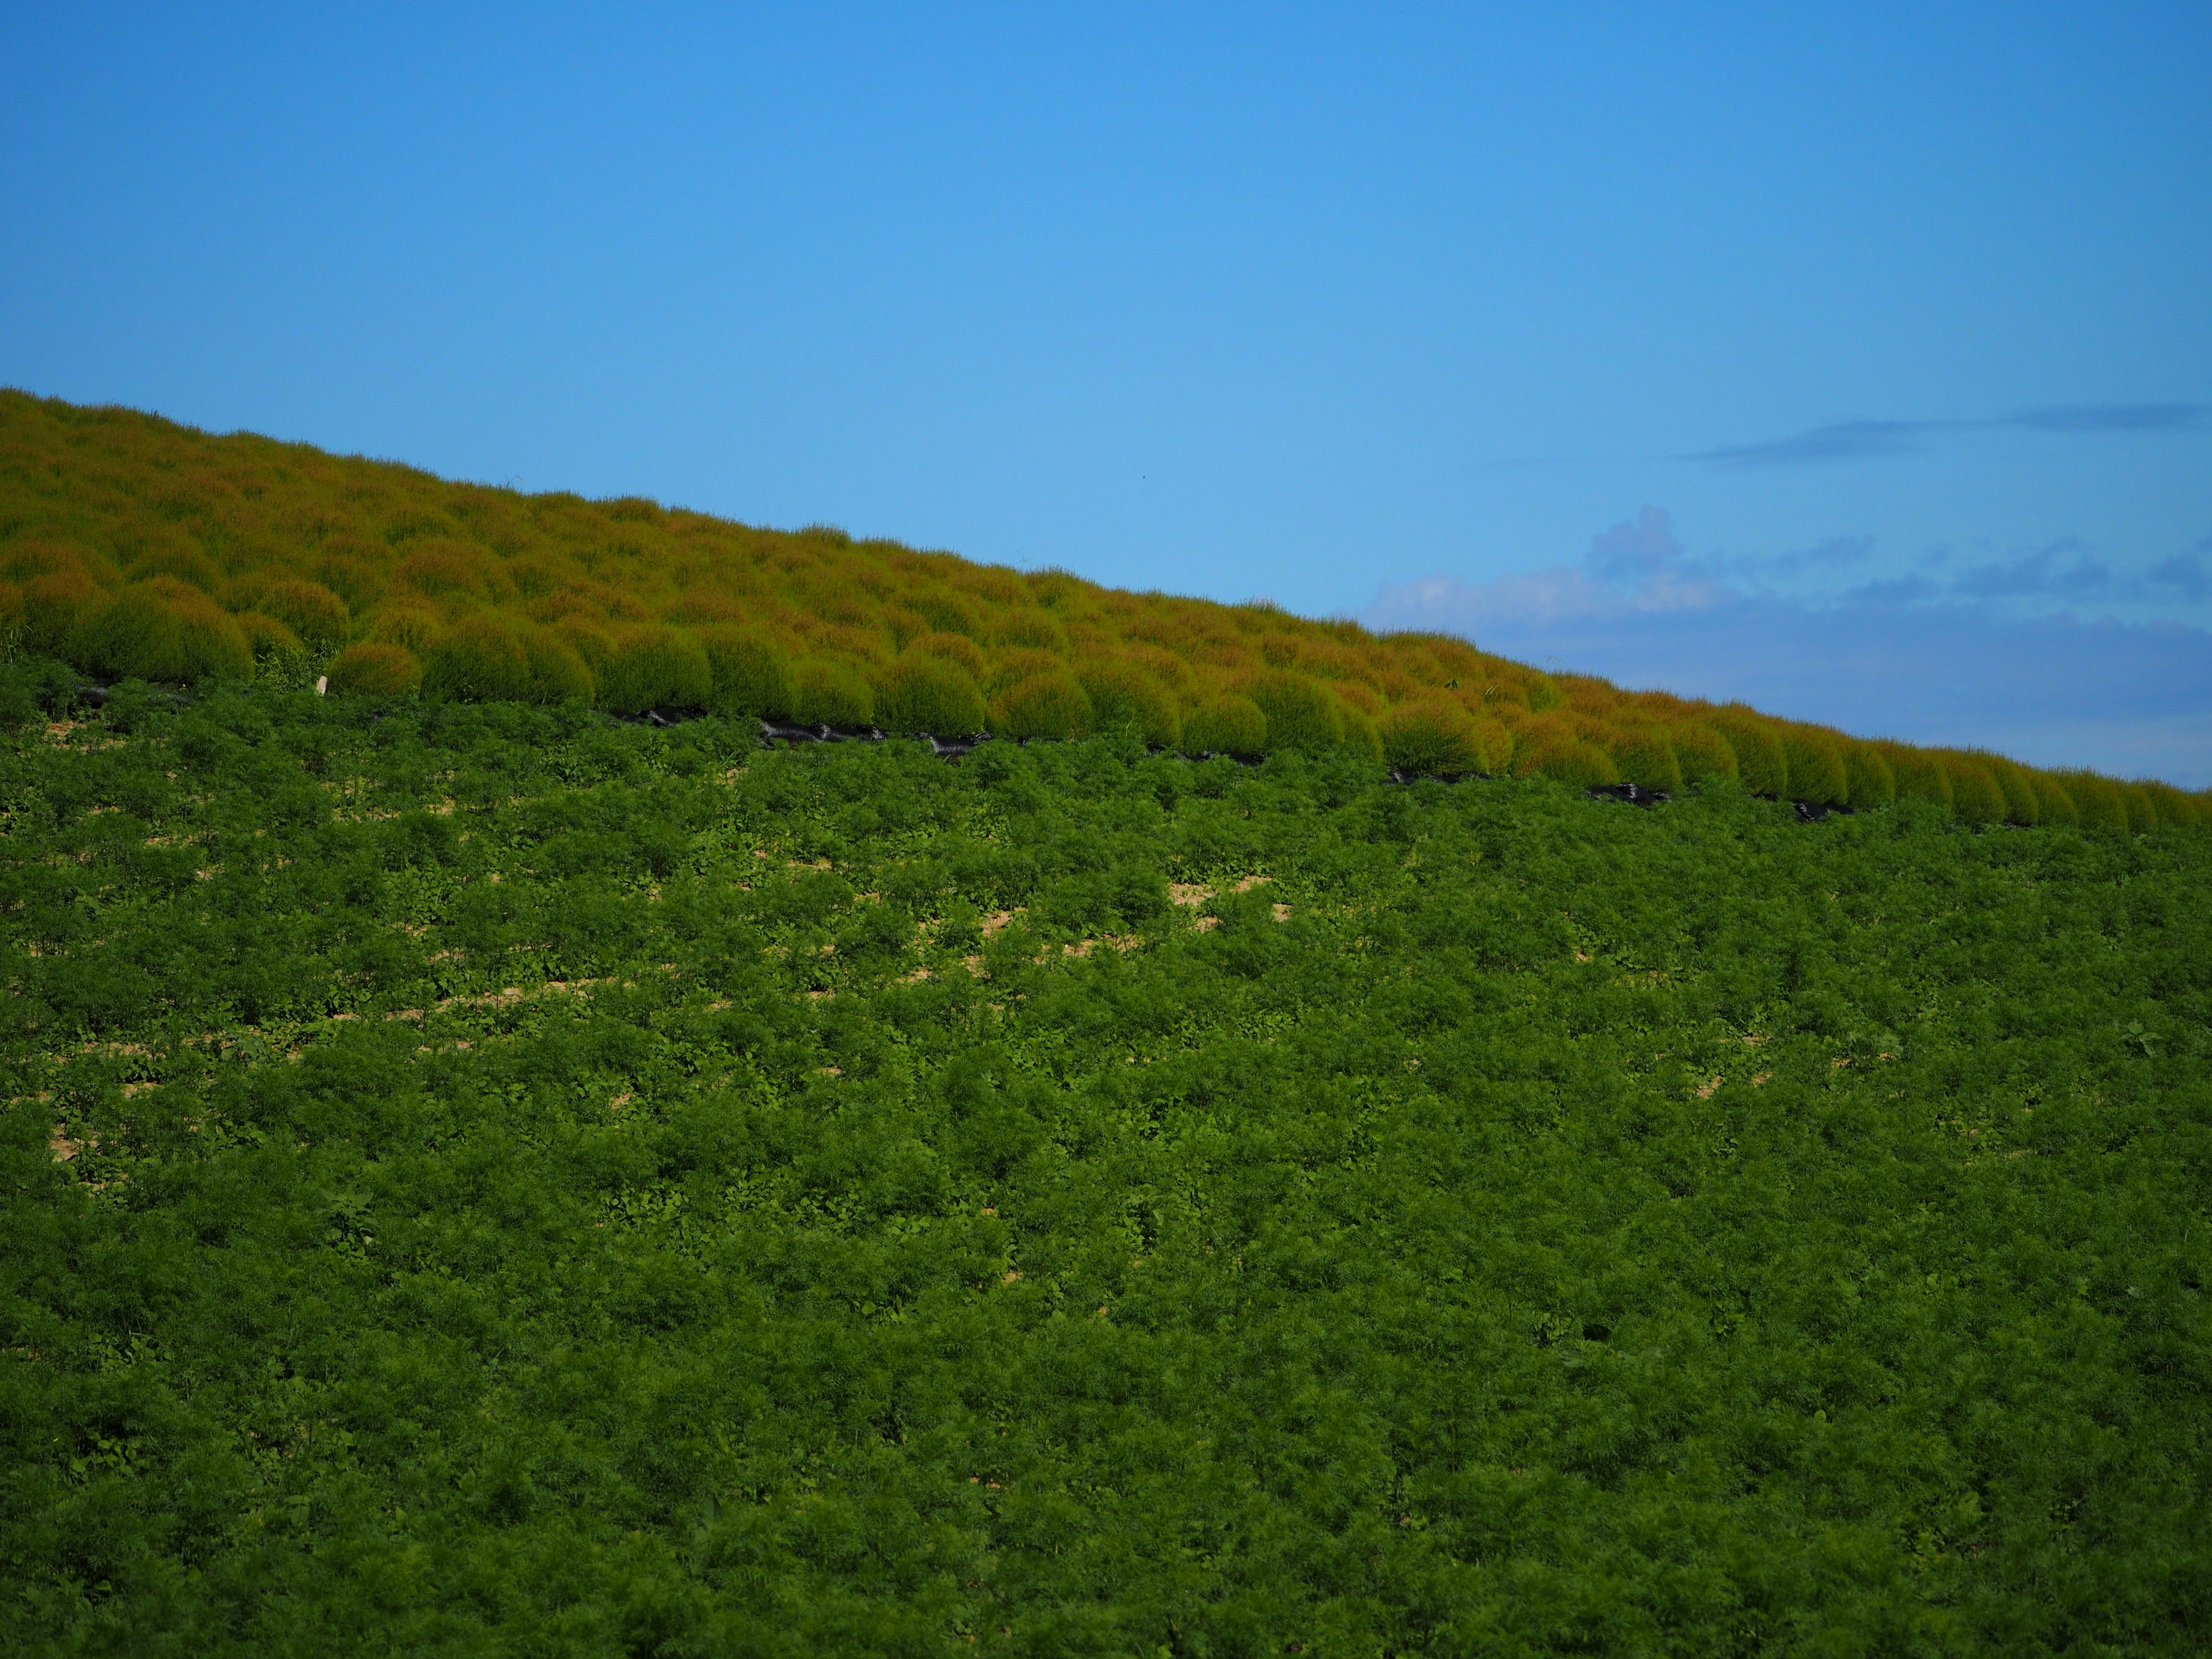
(1225, 725)
(1814, 764)
(1434, 738)
(1976, 797)
(1762, 765)
(751, 674)
(1644, 757)
(159, 629)
(1867, 775)
(1703, 754)
(1301, 712)
(1121, 695)
(1051, 705)
(831, 694)
(928, 694)
(370, 670)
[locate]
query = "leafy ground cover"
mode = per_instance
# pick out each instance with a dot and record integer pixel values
(487, 1179)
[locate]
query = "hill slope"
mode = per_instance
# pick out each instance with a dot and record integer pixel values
(132, 546)
(487, 1179)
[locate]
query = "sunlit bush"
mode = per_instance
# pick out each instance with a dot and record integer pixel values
(1644, 757)
(1814, 763)
(370, 670)
(1762, 765)
(1301, 713)
(752, 675)
(1703, 754)
(481, 659)
(2022, 806)
(2054, 802)
(1225, 725)
(928, 694)
(654, 668)
(1121, 695)
(2098, 802)
(1977, 798)
(832, 694)
(1435, 738)
(1053, 705)
(160, 629)
(310, 610)
(1869, 781)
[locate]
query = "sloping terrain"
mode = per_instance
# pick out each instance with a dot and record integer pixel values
(134, 547)
(485, 1178)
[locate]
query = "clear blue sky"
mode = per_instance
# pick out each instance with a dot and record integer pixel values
(1858, 360)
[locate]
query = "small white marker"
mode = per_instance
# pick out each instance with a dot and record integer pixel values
(322, 684)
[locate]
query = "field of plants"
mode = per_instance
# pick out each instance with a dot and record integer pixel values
(487, 1178)
(131, 547)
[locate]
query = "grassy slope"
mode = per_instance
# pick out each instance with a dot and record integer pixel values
(523, 1194)
(133, 546)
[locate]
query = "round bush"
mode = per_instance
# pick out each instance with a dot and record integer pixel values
(831, 694)
(653, 668)
(311, 611)
(1225, 725)
(479, 660)
(956, 649)
(51, 603)
(1361, 735)
(2053, 802)
(1871, 780)
(1433, 737)
(412, 626)
(558, 672)
(1033, 630)
(370, 670)
(1564, 760)
(928, 694)
(1301, 713)
(1044, 706)
(160, 629)
(751, 674)
(2142, 811)
(2098, 802)
(1122, 694)
(1645, 758)
(1920, 775)
(1815, 764)
(11, 617)
(1976, 798)
(1762, 765)
(1703, 754)
(2020, 804)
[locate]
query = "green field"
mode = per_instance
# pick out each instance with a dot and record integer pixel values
(494, 1180)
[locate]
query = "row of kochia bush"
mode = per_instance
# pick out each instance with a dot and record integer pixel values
(943, 682)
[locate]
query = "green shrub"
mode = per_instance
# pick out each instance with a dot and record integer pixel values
(654, 668)
(1361, 737)
(1225, 725)
(311, 611)
(160, 629)
(370, 670)
(1977, 797)
(928, 694)
(11, 617)
(1435, 738)
(481, 659)
(751, 674)
(1644, 757)
(51, 604)
(2054, 805)
(558, 672)
(1814, 763)
(1122, 694)
(2098, 802)
(831, 694)
(1703, 754)
(1044, 706)
(1920, 774)
(2020, 804)
(2142, 811)
(1301, 712)
(1762, 765)
(1869, 781)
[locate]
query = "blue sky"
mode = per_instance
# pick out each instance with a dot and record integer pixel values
(1856, 360)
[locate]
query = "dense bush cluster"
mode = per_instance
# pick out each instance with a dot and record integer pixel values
(134, 547)
(486, 1178)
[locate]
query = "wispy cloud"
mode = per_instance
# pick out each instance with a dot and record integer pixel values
(1859, 440)
(1958, 651)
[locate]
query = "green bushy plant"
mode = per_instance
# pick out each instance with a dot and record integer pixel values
(928, 694)
(481, 659)
(319, 616)
(1301, 712)
(2098, 802)
(1762, 765)
(2142, 810)
(1225, 725)
(2022, 806)
(825, 693)
(1051, 705)
(654, 668)
(1433, 738)
(1920, 774)
(1868, 781)
(371, 669)
(2054, 803)
(1977, 798)
(752, 675)
(1702, 753)
(558, 672)
(1643, 756)
(159, 629)
(1813, 761)
(1121, 695)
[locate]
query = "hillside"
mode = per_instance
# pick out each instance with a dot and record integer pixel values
(490, 1179)
(133, 547)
